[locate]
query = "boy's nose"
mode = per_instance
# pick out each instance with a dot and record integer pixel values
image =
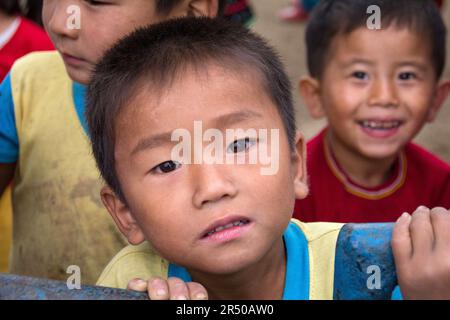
(211, 184)
(383, 94)
(62, 18)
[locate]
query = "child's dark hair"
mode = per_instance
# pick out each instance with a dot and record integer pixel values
(340, 17)
(10, 7)
(158, 55)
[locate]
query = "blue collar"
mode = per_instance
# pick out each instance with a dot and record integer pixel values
(79, 100)
(297, 265)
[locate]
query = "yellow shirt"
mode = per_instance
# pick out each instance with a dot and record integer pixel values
(59, 219)
(143, 261)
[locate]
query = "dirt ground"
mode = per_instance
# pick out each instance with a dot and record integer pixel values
(288, 39)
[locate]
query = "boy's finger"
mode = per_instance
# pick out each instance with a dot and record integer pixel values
(178, 289)
(197, 291)
(137, 285)
(401, 241)
(440, 220)
(421, 230)
(158, 289)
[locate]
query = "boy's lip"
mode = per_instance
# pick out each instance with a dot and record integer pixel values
(225, 229)
(72, 60)
(380, 127)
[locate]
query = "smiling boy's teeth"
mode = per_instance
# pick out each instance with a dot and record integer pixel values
(371, 124)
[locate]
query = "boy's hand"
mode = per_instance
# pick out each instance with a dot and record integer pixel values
(421, 248)
(170, 289)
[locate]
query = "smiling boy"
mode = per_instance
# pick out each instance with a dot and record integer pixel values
(225, 226)
(58, 217)
(377, 89)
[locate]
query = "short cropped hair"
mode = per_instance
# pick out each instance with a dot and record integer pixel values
(160, 53)
(332, 18)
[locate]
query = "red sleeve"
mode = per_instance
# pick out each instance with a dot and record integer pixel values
(35, 37)
(29, 37)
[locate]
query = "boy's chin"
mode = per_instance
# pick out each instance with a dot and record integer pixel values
(381, 152)
(222, 269)
(78, 75)
(225, 265)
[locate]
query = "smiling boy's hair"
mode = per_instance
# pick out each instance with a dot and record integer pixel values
(158, 55)
(332, 18)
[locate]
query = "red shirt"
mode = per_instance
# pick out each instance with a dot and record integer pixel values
(419, 178)
(29, 37)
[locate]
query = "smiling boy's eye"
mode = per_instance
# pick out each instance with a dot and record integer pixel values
(240, 145)
(407, 76)
(360, 75)
(166, 167)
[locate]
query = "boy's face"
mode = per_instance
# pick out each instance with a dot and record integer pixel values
(377, 90)
(83, 30)
(176, 206)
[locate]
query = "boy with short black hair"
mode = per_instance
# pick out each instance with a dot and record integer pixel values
(58, 217)
(219, 221)
(377, 88)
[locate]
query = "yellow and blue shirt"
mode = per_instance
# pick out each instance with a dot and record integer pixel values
(310, 263)
(59, 219)
(310, 250)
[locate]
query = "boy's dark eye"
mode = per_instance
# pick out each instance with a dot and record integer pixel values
(166, 167)
(407, 76)
(360, 75)
(240, 145)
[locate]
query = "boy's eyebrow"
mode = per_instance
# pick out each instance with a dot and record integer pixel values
(357, 61)
(221, 122)
(152, 142)
(414, 64)
(232, 118)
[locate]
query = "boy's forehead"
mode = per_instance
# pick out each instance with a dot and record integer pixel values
(217, 97)
(197, 91)
(381, 43)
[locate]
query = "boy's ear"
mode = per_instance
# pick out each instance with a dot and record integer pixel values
(122, 216)
(441, 95)
(299, 166)
(309, 89)
(206, 8)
